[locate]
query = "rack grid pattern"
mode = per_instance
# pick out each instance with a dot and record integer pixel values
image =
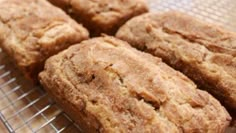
(27, 108)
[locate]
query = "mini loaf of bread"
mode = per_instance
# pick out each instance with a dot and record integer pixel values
(109, 87)
(204, 52)
(102, 16)
(33, 30)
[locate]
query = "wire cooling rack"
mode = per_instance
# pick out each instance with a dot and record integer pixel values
(26, 108)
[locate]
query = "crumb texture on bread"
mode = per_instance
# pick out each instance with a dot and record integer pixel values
(33, 30)
(102, 16)
(107, 86)
(204, 52)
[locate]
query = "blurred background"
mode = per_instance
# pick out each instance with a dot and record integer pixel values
(221, 12)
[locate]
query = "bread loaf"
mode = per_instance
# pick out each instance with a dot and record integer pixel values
(33, 30)
(204, 52)
(102, 16)
(107, 86)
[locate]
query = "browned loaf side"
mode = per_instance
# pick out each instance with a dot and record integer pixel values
(33, 30)
(204, 52)
(102, 16)
(107, 86)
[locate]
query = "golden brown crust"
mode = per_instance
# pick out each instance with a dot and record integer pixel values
(33, 30)
(107, 86)
(204, 52)
(102, 16)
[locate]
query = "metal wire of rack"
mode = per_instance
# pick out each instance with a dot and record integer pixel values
(27, 108)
